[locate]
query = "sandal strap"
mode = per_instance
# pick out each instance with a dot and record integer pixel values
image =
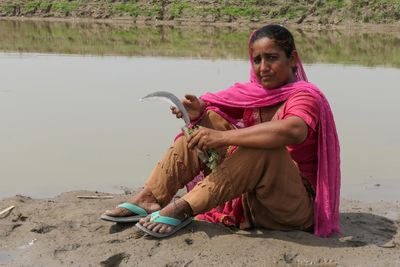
(134, 208)
(156, 217)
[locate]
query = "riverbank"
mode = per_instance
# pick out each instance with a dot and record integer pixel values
(66, 231)
(124, 21)
(206, 12)
(351, 44)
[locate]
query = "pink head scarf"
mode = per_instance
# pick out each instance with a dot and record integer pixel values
(254, 95)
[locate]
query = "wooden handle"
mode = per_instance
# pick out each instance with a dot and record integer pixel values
(203, 156)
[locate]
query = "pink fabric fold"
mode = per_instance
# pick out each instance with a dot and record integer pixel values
(254, 95)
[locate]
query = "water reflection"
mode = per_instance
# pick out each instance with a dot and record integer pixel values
(345, 47)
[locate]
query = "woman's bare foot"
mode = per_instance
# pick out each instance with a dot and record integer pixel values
(178, 209)
(143, 199)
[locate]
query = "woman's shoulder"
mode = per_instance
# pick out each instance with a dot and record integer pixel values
(305, 91)
(304, 104)
(308, 88)
(302, 97)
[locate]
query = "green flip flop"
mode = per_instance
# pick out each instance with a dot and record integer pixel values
(156, 217)
(138, 214)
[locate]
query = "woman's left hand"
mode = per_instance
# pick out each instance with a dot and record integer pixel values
(206, 139)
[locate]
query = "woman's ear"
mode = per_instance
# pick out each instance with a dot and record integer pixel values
(293, 59)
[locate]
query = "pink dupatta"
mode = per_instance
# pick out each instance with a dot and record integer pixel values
(253, 95)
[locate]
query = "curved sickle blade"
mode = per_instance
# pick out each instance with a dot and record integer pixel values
(172, 99)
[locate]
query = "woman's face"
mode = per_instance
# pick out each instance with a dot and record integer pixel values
(271, 65)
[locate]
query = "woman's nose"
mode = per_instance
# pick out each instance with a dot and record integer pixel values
(264, 66)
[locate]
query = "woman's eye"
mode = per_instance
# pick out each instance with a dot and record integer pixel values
(272, 58)
(257, 60)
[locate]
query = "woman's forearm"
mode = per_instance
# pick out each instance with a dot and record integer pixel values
(272, 134)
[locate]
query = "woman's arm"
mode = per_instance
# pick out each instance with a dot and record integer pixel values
(271, 134)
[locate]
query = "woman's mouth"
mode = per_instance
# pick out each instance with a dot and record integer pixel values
(266, 77)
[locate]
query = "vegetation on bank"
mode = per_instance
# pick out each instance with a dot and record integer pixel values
(210, 11)
(326, 46)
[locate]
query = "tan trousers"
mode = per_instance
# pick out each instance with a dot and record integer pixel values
(273, 193)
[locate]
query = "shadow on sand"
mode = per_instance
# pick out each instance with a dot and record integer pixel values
(358, 230)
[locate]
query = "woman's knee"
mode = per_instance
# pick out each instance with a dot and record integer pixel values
(215, 121)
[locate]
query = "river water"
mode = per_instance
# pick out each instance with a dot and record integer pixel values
(70, 117)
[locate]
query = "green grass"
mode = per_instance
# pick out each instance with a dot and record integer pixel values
(44, 5)
(326, 11)
(244, 12)
(131, 9)
(178, 7)
(7, 8)
(295, 12)
(152, 11)
(65, 7)
(30, 7)
(336, 3)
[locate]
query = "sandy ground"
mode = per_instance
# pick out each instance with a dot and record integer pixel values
(66, 231)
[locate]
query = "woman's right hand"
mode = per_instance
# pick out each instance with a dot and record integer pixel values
(194, 106)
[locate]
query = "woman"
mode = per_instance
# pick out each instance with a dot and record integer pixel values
(278, 153)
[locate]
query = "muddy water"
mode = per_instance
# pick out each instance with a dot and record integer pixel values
(74, 121)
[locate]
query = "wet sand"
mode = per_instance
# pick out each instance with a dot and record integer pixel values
(66, 231)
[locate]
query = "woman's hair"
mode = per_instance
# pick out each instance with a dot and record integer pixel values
(280, 35)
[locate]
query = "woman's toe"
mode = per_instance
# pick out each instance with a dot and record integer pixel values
(108, 212)
(165, 229)
(150, 226)
(157, 228)
(118, 212)
(113, 212)
(144, 220)
(146, 224)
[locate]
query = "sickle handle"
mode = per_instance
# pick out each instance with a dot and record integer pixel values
(203, 156)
